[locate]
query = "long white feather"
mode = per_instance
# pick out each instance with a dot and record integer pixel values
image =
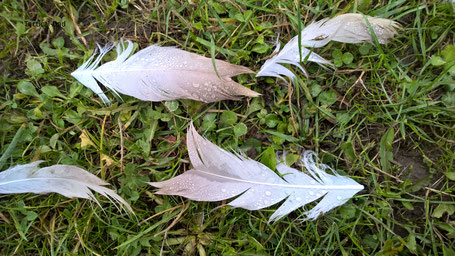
(346, 28)
(162, 73)
(220, 175)
(67, 180)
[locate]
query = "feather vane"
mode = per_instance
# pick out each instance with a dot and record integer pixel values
(162, 73)
(220, 175)
(67, 180)
(345, 28)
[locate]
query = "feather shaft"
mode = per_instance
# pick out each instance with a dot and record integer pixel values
(334, 187)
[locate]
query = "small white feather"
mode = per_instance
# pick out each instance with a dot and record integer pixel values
(67, 180)
(346, 28)
(220, 175)
(162, 73)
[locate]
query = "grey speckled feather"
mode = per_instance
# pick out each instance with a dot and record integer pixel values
(162, 73)
(220, 175)
(67, 180)
(345, 28)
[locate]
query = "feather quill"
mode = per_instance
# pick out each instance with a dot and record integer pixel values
(162, 73)
(220, 175)
(345, 28)
(67, 180)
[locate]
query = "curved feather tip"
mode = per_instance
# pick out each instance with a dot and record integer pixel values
(220, 175)
(162, 73)
(67, 180)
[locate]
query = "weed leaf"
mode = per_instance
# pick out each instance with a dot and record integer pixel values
(385, 149)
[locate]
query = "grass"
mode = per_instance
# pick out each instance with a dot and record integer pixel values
(385, 117)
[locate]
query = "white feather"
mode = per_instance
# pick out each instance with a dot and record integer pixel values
(220, 175)
(346, 28)
(162, 73)
(67, 180)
